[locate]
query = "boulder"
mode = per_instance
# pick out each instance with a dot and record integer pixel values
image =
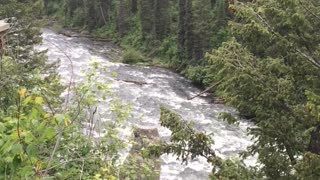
(137, 167)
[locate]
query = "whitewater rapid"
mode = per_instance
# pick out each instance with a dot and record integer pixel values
(162, 87)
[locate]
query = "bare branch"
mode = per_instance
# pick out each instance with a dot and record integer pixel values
(307, 9)
(208, 89)
(66, 105)
(310, 59)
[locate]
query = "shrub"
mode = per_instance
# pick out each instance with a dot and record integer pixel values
(132, 56)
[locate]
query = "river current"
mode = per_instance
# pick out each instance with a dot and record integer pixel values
(160, 87)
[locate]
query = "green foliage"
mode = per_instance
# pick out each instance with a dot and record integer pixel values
(233, 169)
(195, 73)
(153, 27)
(308, 167)
(132, 56)
(41, 138)
(22, 65)
(137, 166)
(42, 143)
(265, 72)
(267, 61)
(186, 143)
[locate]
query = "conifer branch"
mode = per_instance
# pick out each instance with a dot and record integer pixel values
(304, 55)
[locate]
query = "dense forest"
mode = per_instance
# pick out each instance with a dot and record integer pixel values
(262, 57)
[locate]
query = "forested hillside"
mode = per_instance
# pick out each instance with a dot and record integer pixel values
(262, 57)
(178, 32)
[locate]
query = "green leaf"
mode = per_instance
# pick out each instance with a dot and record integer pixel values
(32, 150)
(59, 118)
(27, 100)
(7, 147)
(39, 100)
(49, 133)
(29, 137)
(17, 149)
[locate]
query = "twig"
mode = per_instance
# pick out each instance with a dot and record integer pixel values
(18, 118)
(64, 162)
(307, 57)
(72, 71)
(82, 169)
(208, 89)
(307, 9)
(66, 105)
(102, 13)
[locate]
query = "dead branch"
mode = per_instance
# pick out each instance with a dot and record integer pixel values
(309, 58)
(57, 144)
(309, 10)
(84, 36)
(132, 81)
(206, 90)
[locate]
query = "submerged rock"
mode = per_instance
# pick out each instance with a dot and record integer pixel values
(136, 167)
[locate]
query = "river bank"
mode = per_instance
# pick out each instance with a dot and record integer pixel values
(163, 87)
(135, 57)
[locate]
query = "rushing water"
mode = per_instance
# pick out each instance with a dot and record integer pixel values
(162, 87)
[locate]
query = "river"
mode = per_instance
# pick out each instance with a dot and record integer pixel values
(163, 87)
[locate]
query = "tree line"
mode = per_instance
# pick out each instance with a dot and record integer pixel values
(263, 55)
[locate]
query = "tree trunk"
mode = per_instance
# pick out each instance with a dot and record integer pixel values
(314, 145)
(134, 6)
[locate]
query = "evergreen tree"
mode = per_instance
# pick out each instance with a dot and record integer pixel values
(182, 30)
(161, 19)
(212, 3)
(270, 72)
(203, 31)
(22, 64)
(122, 21)
(146, 17)
(134, 6)
(221, 16)
(185, 34)
(189, 31)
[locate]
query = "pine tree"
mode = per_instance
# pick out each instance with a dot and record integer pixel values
(122, 21)
(189, 31)
(270, 72)
(221, 16)
(22, 64)
(213, 3)
(185, 34)
(161, 19)
(146, 17)
(134, 6)
(91, 15)
(182, 30)
(203, 31)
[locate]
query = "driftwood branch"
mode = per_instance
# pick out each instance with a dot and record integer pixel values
(84, 36)
(206, 90)
(133, 81)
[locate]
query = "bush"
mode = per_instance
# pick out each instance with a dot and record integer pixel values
(195, 73)
(132, 56)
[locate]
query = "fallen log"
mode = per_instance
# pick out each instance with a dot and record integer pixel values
(133, 81)
(71, 34)
(218, 101)
(206, 90)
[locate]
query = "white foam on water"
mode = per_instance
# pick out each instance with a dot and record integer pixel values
(163, 88)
